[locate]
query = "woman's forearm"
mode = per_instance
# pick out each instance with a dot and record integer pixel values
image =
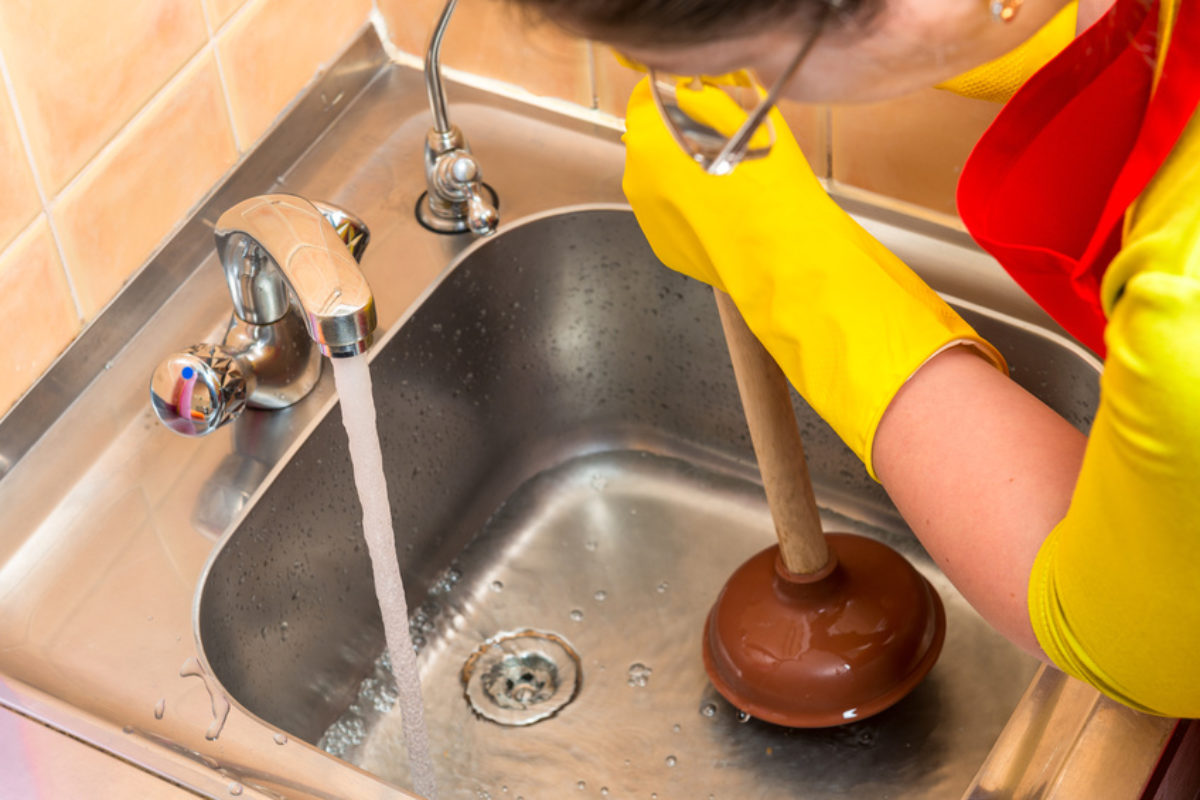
(982, 471)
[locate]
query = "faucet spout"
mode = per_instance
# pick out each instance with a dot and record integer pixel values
(279, 249)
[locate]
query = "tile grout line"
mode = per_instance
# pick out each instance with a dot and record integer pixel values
(27, 146)
(49, 204)
(213, 35)
(221, 78)
(234, 15)
(593, 78)
(141, 114)
(207, 18)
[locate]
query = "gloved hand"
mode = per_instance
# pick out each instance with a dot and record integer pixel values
(845, 319)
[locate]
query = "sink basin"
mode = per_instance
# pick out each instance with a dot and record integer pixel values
(566, 455)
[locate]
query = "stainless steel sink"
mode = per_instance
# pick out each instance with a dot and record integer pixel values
(566, 454)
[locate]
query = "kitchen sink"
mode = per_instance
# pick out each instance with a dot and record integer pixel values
(568, 464)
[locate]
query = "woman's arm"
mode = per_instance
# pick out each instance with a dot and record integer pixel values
(982, 471)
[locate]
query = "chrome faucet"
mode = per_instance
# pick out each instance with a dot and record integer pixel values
(457, 199)
(291, 267)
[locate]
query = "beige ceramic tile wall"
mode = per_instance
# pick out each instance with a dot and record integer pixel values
(116, 118)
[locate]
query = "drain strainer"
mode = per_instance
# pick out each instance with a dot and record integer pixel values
(521, 678)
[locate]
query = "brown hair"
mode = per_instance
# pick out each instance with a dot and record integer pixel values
(683, 22)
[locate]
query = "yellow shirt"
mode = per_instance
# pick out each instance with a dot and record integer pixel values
(1114, 596)
(1114, 592)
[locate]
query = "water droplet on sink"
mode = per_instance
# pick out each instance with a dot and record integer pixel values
(709, 710)
(576, 615)
(639, 675)
(497, 586)
(219, 702)
(280, 739)
(743, 717)
(160, 708)
(672, 761)
(600, 595)
(676, 728)
(581, 786)
(591, 545)
(235, 788)
(662, 587)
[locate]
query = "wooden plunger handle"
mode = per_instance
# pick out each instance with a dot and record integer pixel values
(775, 435)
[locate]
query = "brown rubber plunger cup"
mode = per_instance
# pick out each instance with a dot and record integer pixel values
(819, 630)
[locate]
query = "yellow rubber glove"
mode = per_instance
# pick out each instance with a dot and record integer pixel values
(847, 321)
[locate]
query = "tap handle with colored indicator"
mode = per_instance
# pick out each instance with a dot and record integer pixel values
(197, 390)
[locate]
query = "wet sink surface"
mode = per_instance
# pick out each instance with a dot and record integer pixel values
(621, 553)
(566, 453)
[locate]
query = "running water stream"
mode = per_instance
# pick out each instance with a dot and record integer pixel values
(353, 380)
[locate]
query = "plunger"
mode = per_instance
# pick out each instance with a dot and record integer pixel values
(820, 629)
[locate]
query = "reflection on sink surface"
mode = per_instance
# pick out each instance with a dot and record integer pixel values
(566, 453)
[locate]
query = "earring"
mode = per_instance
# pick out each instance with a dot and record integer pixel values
(1004, 10)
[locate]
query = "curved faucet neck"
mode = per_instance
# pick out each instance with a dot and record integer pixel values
(433, 71)
(278, 250)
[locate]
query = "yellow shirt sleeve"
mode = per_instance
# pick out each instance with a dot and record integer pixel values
(1114, 596)
(999, 80)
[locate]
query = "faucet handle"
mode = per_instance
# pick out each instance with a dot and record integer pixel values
(457, 199)
(197, 390)
(458, 175)
(482, 216)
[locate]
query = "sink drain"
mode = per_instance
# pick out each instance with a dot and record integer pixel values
(521, 678)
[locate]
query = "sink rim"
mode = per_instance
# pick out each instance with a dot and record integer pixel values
(381, 343)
